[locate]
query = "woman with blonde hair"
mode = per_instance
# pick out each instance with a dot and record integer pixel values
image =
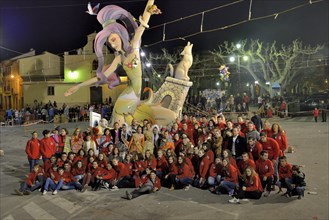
(76, 140)
(251, 188)
(280, 136)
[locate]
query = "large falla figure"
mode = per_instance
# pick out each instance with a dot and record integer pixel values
(123, 34)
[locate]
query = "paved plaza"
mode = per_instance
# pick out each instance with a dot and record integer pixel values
(310, 140)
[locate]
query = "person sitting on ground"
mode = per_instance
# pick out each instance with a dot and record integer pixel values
(204, 165)
(215, 171)
(151, 184)
(69, 181)
(91, 176)
(265, 170)
(243, 164)
(229, 180)
(78, 171)
(124, 180)
(169, 178)
(55, 181)
(33, 182)
(251, 188)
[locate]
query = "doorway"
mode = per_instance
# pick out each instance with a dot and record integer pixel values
(96, 95)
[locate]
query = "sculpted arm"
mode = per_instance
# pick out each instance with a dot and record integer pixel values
(143, 19)
(91, 81)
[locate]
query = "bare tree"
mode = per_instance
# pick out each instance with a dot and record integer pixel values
(268, 63)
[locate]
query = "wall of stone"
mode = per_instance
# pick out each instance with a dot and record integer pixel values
(177, 90)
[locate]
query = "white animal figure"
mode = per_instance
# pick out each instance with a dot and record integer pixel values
(94, 10)
(181, 71)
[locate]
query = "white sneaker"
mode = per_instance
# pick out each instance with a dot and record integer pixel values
(114, 188)
(106, 185)
(55, 192)
(234, 201)
(44, 192)
(244, 200)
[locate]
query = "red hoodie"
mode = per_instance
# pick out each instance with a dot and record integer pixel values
(254, 184)
(285, 172)
(232, 174)
(33, 149)
(264, 168)
(33, 176)
(183, 171)
(272, 148)
(243, 165)
(47, 147)
(281, 139)
(204, 166)
(122, 170)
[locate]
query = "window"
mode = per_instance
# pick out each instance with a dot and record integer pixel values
(51, 90)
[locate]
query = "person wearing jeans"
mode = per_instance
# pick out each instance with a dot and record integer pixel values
(33, 182)
(230, 181)
(33, 150)
(55, 181)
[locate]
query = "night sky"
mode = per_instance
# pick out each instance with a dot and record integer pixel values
(62, 25)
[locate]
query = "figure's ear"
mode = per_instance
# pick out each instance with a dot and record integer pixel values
(188, 43)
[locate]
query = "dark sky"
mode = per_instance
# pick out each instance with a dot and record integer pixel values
(62, 25)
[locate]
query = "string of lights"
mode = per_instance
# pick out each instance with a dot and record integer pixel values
(6, 48)
(274, 15)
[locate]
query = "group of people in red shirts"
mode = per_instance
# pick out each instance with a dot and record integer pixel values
(225, 157)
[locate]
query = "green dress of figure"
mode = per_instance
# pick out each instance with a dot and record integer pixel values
(129, 98)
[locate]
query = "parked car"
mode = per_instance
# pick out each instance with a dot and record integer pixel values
(311, 103)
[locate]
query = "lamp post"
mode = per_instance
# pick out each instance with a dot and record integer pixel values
(232, 60)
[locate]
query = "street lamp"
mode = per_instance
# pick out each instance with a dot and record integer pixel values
(232, 60)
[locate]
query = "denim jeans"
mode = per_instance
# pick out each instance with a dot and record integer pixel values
(53, 185)
(184, 181)
(33, 162)
(213, 180)
(228, 186)
(286, 182)
(79, 177)
(25, 187)
(71, 185)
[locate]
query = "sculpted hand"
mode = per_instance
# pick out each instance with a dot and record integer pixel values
(71, 91)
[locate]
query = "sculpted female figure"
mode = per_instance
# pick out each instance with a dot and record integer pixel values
(125, 41)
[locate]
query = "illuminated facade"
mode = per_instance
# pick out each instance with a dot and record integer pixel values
(45, 77)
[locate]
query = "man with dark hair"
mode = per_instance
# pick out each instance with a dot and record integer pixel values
(151, 184)
(47, 146)
(272, 147)
(265, 170)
